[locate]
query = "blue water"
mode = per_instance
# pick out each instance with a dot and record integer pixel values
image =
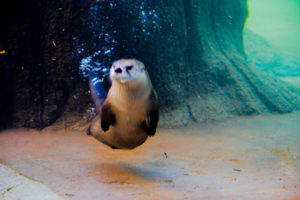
(97, 58)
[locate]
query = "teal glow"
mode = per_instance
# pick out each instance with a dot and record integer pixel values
(278, 21)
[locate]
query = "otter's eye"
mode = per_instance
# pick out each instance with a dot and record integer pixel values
(129, 67)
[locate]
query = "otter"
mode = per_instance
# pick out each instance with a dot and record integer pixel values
(130, 112)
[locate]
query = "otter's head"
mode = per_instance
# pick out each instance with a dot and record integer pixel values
(128, 71)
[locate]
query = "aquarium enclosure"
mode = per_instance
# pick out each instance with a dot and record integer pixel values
(227, 77)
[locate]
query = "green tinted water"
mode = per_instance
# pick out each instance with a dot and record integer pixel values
(278, 21)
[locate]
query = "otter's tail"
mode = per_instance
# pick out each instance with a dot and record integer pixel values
(97, 90)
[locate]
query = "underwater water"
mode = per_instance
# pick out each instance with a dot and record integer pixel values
(106, 26)
(227, 76)
(279, 24)
(279, 30)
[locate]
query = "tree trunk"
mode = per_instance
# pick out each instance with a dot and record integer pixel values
(193, 50)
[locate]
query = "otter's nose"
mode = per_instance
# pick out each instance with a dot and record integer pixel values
(118, 70)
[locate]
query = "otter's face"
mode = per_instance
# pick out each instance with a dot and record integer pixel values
(128, 71)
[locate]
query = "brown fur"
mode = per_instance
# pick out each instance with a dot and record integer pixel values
(129, 114)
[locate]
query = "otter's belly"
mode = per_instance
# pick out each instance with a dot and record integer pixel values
(127, 132)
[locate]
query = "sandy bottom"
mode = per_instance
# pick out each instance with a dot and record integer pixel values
(245, 158)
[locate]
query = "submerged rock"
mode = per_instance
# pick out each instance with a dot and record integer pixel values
(193, 51)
